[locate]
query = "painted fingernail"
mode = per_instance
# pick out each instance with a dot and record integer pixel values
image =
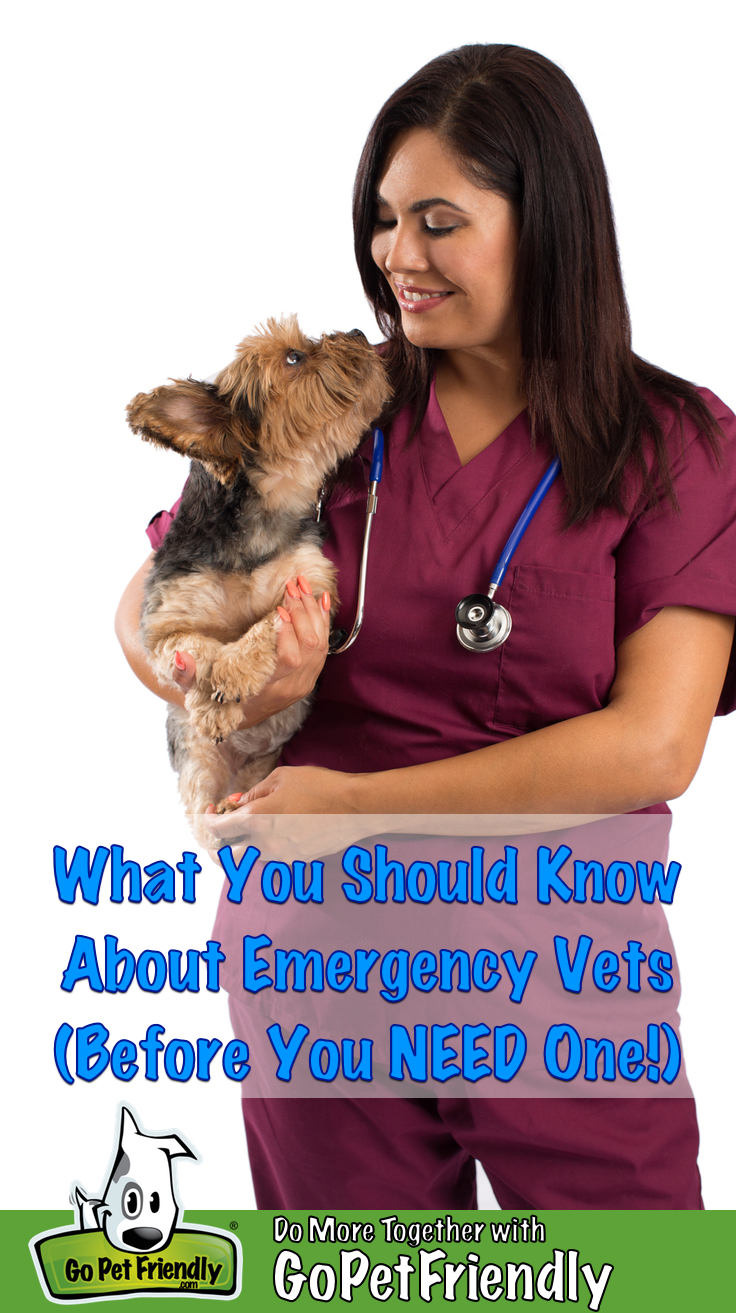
(292, 589)
(325, 601)
(302, 582)
(283, 613)
(234, 797)
(179, 662)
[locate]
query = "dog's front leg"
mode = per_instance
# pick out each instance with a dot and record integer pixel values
(204, 651)
(208, 717)
(241, 669)
(204, 773)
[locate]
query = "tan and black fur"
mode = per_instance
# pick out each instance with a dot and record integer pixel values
(262, 438)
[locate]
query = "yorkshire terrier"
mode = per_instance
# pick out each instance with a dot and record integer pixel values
(262, 438)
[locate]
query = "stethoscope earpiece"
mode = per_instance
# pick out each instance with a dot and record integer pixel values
(482, 624)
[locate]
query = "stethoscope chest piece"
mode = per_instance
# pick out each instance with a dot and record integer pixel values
(482, 624)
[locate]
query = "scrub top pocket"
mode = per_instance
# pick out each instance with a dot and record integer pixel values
(560, 653)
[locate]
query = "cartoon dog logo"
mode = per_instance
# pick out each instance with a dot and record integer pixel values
(139, 1208)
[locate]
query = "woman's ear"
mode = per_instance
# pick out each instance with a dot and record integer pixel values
(194, 419)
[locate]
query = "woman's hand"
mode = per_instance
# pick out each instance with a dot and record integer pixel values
(301, 649)
(297, 811)
(300, 790)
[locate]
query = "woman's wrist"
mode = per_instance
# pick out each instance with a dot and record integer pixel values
(261, 706)
(370, 794)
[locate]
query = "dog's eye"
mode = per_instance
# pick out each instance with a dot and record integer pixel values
(154, 1202)
(132, 1200)
(294, 357)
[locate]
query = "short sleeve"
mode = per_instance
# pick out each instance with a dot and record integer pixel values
(686, 556)
(158, 527)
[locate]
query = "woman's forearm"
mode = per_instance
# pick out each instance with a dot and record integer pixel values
(642, 749)
(127, 628)
(584, 765)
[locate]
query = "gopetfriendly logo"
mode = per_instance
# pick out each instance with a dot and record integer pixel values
(136, 1216)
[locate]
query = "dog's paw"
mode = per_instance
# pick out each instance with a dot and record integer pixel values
(228, 805)
(214, 721)
(241, 671)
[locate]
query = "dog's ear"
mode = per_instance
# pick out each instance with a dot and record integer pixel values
(194, 419)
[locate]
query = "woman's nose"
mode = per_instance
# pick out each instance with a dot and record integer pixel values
(406, 251)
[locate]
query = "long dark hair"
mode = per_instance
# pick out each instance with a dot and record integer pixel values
(518, 127)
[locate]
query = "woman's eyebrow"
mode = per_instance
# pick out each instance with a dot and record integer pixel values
(420, 206)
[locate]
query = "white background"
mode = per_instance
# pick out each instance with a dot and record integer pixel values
(178, 173)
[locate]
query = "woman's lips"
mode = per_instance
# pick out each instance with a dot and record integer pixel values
(427, 298)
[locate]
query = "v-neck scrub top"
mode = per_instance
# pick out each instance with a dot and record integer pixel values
(407, 692)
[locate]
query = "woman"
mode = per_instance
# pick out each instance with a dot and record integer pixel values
(485, 239)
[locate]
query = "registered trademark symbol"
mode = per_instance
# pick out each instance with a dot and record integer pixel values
(233, 1226)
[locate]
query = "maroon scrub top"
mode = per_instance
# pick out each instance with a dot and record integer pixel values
(407, 692)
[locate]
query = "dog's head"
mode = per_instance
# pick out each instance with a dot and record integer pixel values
(290, 406)
(138, 1209)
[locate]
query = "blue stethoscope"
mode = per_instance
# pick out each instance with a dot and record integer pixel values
(482, 624)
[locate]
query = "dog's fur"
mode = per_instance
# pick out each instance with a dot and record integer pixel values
(263, 437)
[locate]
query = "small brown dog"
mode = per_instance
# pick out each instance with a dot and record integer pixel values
(263, 437)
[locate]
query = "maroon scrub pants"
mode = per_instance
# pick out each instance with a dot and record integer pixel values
(419, 1153)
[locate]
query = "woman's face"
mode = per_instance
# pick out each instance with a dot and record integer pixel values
(446, 248)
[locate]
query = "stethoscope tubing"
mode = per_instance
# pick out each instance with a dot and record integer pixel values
(376, 474)
(467, 638)
(483, 625)
(523, 522)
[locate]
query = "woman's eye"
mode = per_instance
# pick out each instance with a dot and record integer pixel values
(431, 229)
(294, 357)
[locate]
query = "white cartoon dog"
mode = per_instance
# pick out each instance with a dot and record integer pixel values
(139, 1208)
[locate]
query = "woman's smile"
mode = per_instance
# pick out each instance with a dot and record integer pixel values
(416, 299)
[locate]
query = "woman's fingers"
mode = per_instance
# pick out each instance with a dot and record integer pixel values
(304, 635)
(260, 790)
(288, 656)
(311, 621)
(185, 670)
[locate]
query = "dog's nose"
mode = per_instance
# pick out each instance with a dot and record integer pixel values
(142, 1237)
(357, 332)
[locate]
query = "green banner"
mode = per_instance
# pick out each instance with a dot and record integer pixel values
(621, 1262)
